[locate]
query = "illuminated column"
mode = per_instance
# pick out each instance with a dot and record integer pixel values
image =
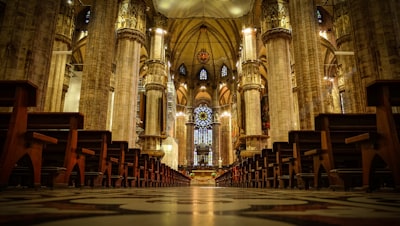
(190, 135)
(307, 57)
(60, 56)
(227, 153)
(130, 39)
(277, 37)
(155, 83)
(26, 36)
(180, 129)
(251, 85)
(97, 70)
(216, 130)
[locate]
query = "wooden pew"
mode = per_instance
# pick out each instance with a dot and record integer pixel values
(383, 94)
(116, 153)
(97, 166)
(132, 167)
(143, 170)
(257, 171)
(283, 166)
(270, 167)
(336, 129)
(308, 155)
(16, 142)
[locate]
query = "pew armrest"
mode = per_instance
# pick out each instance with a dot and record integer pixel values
(288, 160)
(87, 151)
(361, 137)
(41, 137)
(312, 152)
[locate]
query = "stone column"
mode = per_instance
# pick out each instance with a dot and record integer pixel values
(130, 39)
(348, 76)
(216, 130)
(277, 37)
(227, 152)
(190, 126)
(251, 85)
(60, 57)
(26, 37)
(181, 137)
(155, 84)
(97, 68)
(308, 61)
(376, 30)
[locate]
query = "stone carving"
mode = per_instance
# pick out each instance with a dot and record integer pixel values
(275, 16)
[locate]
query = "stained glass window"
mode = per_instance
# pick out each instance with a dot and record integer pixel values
(224, 71)
(182, 69)
(203, 74)
(319, 16)
(203, 134)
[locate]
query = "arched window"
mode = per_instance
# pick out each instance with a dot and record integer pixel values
(203, 74)
(182, 70)
(224, 71)
(203, 135)
(87, 17)
(319, 16)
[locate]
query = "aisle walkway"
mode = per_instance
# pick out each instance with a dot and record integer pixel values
(196, 206)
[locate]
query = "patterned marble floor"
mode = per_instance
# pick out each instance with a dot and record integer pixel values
(196, 206)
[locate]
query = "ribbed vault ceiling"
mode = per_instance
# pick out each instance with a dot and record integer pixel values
(203, 8)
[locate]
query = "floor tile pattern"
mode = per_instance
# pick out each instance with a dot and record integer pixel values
(196, 206)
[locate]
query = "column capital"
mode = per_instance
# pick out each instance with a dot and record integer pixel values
(278, 32)
(132, 34)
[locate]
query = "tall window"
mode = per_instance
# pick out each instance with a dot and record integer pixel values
(87, 17)
(341, 95)
(224, 71)
(319, 16)
(182, 70)
(203, 74)
(203, 135)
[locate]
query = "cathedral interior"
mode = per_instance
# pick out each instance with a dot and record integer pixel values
(205, 90)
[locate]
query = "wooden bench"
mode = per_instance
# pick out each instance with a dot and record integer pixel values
(307, 158)
(283, 167)
(98, 166)
(66, 154)
(132, 167)
(340, 134)
(15, 141)
(116, 153)
(269, 166)
(143, 170)
(384, 94)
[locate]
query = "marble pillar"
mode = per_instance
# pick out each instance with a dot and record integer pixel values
(376, 33)
(277, 37)
(130, 39)
(26, 37)
(251, 84)
(60, 57)
(216, 128)
(155, 83)
(348, 76)
(308, 61)
(97, 69)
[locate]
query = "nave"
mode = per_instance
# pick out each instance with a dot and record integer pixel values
(196, 205)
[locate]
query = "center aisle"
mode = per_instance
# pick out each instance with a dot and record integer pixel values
(196, 206)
